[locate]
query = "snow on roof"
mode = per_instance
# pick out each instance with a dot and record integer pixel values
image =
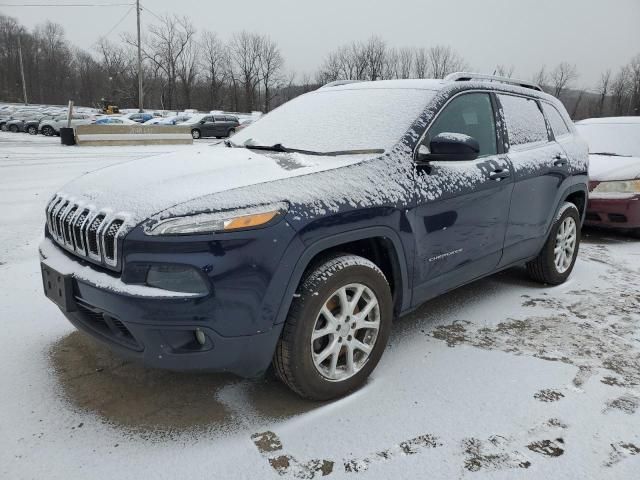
(419, 84)
(609, 120)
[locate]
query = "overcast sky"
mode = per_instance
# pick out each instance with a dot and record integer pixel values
(593, 34)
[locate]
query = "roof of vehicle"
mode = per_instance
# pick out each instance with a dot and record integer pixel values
(432, 84)
(609, 120)
(420, 84)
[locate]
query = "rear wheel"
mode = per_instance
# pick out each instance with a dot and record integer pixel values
(231, 132)
(48, 131)
(3, 127)
(195, 133)
(13, 128)
(32, 130)
(336, 330)
(558, 256)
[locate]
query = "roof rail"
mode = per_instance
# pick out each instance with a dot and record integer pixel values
(337, 83)
(467, 76)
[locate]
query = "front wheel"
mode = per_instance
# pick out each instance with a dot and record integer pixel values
(48, 131)
(337, 328)
(195, 133)
(558, 256)
(32, 130)
(13, 128)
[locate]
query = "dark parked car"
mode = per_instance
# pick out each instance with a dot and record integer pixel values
(614, 172)
(139, 117)
(298, 241)
(212, 125)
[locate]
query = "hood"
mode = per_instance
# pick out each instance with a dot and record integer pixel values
(141, 188)
(604, 168)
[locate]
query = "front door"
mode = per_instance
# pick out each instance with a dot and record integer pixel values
(462, 206)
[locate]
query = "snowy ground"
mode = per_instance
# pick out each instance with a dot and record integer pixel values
(501, 379)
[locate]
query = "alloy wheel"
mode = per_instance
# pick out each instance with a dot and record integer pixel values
(565, 247)
(345, 332)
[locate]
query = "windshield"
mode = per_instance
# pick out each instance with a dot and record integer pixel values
(339, 119)
(612, 138)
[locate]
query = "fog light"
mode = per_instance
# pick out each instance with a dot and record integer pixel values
(200, 336)
(177, 278)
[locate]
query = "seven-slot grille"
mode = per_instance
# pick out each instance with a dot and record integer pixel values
(85, 230)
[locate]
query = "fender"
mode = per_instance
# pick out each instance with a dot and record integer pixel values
(576, 184)
(338, 239)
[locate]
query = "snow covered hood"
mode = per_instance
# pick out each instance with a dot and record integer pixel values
(141, 188)
(605, 168)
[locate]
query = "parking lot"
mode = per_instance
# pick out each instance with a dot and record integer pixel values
(502, 378)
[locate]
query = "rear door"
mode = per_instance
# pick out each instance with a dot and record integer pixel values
(540, 166)
(208, 127)
(462, 206)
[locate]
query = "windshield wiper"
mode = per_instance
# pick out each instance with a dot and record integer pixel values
(278, 147)
(609, 154)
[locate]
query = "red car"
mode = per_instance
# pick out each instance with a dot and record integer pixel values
(614, 172)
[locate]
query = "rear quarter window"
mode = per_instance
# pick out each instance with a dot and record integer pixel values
(556, 121)
(525, 123)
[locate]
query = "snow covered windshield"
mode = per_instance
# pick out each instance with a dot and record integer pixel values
(339, 119)
(612, 138)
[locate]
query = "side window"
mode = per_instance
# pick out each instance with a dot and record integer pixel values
(208, 119)
(555, 119)
(219, 119)
(525, 122)
(470, 114)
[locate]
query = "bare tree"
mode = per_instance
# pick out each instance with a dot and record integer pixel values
(244, 52)
(270, 63)
(562, 76)
(167, 43)
(391, 68)
(215, 60)
(541, 77)
(374, 55)
(505, 71)
(604, 84)
(405, 62)
(444, 60)
(620, 90)
(421, 62)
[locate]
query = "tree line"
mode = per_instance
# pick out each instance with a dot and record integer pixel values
(185, 68)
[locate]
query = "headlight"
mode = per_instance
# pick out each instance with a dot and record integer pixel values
(626, 186)
(218, 222)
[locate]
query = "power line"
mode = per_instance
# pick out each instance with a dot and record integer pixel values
(119, 22)
(67, 5)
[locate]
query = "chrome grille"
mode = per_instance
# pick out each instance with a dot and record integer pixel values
(86, 231)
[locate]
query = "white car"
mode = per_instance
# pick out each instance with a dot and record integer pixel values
(52, 127)
(114, 121)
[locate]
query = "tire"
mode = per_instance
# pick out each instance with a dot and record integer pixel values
(3, 127)
(48, 131)
(549, 268)
(231, 132)
(297, 360)
(195, 133)
(13, 129)
(32, 130)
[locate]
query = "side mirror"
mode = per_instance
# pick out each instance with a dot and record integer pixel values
(448, 146)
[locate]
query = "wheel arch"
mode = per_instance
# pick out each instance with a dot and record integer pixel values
(381, 245)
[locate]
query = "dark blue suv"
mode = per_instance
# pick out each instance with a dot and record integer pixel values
(297, 242)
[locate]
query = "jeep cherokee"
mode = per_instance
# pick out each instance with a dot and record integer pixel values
(298, 241)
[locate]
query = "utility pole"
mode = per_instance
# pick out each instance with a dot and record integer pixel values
(140, 99)
(24, 85)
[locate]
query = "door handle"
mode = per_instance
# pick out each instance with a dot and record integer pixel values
(500, 174)
(560, 160)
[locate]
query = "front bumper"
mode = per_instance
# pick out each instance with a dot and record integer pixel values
(237, 317)
(614, 212)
